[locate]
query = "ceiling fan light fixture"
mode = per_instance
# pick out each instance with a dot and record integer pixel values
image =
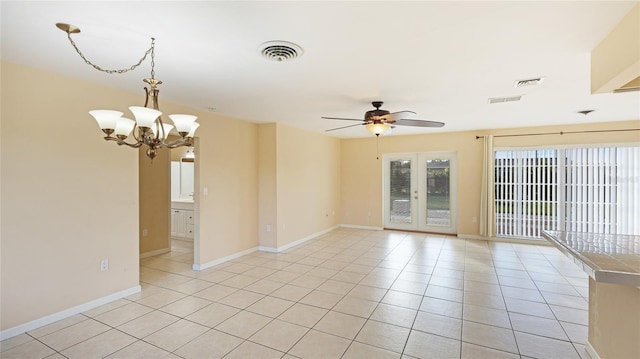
(377, 128)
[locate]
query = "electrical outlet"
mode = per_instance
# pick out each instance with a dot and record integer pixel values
(474, 219)
(268, 228)
(104, 265)
(145, 232)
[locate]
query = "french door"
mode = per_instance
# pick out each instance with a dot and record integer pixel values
(420, 191)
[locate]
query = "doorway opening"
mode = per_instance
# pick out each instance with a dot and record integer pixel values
(183, 204)
(168, 201)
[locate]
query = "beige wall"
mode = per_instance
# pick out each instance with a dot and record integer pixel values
(155, 200)
(69, 199)
(227, 165)
(308, 183)
(299, 184)
(361, 188)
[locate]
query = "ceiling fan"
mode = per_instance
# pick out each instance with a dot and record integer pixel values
(379, 121)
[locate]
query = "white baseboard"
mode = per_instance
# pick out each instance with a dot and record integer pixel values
(297, 242)
(361, 227)
(540, 242)
(215, 262)
(35, 324)
(268, 249)
(591, 350)
(155, 253)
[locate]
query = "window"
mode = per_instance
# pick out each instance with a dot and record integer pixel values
(591, 189)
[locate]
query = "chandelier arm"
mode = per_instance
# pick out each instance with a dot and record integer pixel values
(136, 133)
(164, 134)
(181, 143)
(122, 142)
(119, 71)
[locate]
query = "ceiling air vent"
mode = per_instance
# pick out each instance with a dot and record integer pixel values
(528, 82)
(280, 50)
(504, 99)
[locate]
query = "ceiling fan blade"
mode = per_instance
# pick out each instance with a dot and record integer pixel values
(341, 118)
(418, 123)
(402, 113)
(340, 128)
(394, 116)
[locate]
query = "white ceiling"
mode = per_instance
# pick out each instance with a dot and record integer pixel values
(442, 60)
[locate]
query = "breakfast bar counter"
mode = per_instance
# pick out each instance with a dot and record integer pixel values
(613, 265)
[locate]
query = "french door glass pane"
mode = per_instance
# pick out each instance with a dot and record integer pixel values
(400, 191)
(438, 203)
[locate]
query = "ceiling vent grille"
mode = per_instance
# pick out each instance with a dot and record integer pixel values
(528, 82)
(504, 99)
(280, 50)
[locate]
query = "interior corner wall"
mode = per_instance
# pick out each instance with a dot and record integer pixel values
(69, 198)
(267, 193)
(155, 201)
(308, 183)
(361, 188)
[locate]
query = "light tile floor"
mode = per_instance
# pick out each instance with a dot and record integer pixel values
(351, 293)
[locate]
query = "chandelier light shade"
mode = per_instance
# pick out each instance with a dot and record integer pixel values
(148, 129)
(193, 130)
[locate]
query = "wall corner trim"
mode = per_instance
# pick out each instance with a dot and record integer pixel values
(297, 242)
(40, 322)
(591, 350)
(215, 262)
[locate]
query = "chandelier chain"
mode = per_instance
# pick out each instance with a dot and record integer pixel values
(119, 71)
(153, 58)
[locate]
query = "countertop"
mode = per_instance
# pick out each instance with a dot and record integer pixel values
(183, 200)
(608, 258)
(186, 205)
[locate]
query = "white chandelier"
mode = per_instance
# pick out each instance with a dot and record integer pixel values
(148, 128)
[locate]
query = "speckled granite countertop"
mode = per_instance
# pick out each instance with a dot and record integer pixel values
(608, 258)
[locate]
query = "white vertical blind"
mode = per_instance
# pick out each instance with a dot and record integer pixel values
(593, 189)
(628, 189)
